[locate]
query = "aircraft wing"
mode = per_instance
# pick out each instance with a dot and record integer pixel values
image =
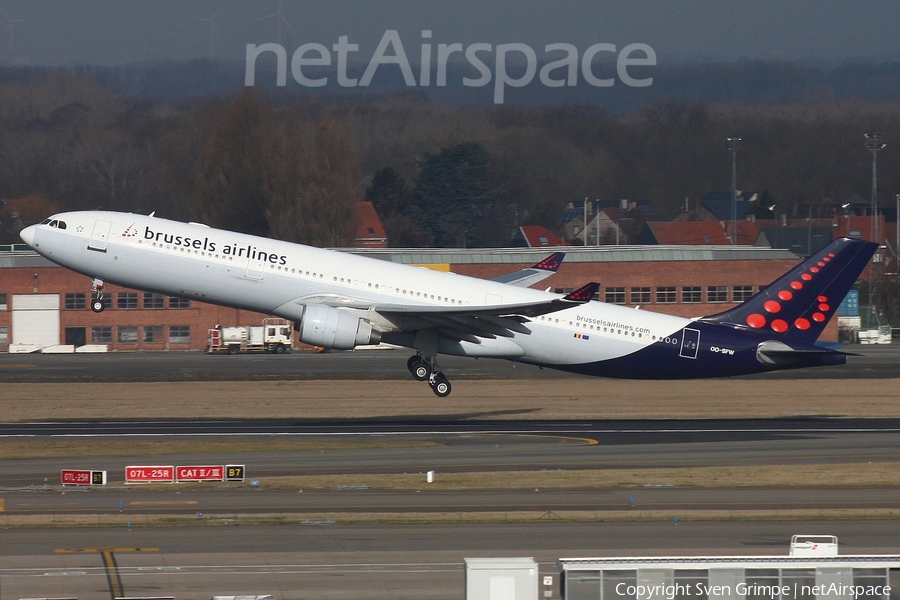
(456, 322)
(531, 275)
(471, 322)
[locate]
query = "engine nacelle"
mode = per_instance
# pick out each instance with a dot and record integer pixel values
(338, 329)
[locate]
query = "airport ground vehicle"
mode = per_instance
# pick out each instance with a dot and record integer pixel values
(274, 335)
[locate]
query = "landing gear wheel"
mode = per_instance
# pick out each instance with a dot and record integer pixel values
(418, 368)
(440, 386)
(97, 296)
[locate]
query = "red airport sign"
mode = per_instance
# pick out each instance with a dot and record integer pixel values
(200, 473)
(75, 477)
(82, 477)
(149, 474)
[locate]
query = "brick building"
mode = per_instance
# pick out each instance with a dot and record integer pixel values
(680, 280)
(36, 293)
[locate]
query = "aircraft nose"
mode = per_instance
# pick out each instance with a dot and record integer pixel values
(27, 235)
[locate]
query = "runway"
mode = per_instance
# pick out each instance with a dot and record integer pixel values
(406, 562)
(624, 431)
(338, 505)
(329, 559)
(869, 362)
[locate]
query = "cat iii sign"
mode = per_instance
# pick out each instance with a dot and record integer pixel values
(504, 65)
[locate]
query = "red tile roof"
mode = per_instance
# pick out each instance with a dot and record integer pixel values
(370, 232)
(537, 236)
(702, 232)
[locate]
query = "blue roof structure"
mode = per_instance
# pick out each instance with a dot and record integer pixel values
(719, 204)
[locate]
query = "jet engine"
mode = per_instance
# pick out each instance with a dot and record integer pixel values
(329, 327)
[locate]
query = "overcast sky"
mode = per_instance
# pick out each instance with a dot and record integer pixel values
(110, 32)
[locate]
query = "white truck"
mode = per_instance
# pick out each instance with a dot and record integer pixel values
(274, 335)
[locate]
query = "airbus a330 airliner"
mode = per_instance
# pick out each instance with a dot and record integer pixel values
(341, 301)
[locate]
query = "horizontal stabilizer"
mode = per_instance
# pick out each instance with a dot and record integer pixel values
(773, 352)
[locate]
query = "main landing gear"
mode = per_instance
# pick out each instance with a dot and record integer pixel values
(97, 296)
(426, 369)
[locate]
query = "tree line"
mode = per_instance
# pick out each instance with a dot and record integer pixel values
(292, 166)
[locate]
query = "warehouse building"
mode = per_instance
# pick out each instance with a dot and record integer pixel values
(44, 304)
(731, 578)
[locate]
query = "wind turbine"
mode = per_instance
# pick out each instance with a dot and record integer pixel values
(9, 24)
(212, 31)
(279, 17)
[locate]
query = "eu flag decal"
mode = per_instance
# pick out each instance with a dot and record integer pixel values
(582, 337)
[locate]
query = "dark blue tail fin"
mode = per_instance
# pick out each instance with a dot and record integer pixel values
(799, 304)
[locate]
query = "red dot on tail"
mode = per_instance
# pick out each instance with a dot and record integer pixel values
(796, 285)
(779, 325)
(822, 298)
(821, 263)
(771, 306)
(814, 269)
(756, 320)
(802, 324)
(785, 295)
(824, 307)
(831, 254)
(818, 317)
(806, 277)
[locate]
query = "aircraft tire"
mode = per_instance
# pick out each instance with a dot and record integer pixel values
(441, 387)
(421, 372)
(97, 306)
(418, 368)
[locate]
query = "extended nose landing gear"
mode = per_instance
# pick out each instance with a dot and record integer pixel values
(426, 369)
(97, 296)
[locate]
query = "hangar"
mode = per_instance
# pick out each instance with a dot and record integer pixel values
(813, 570)
(45, 305)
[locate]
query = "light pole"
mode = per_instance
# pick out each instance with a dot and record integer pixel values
(584, 231)
(734, 144)
(874, 143)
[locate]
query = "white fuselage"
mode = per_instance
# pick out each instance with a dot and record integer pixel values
(279, 278)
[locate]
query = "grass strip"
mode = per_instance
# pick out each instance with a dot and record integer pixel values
(326, 519)
(18, 449)
(856, 475)
(756, 476)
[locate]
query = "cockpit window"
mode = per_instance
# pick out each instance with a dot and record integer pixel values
(45, 221)
(54, 223)
(62, 224)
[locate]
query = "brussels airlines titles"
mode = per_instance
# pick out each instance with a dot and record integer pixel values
(209, 246)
